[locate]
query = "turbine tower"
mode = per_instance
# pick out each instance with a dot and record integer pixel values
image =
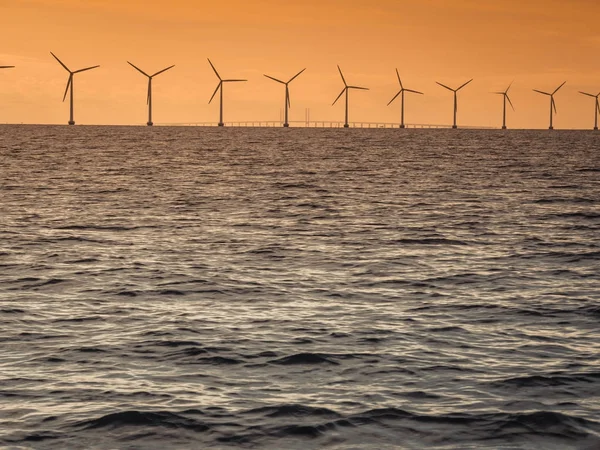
(287, 94)
(552, 103)
(596, 107)
(149, 98)
(220, 88)
(505, 98)
(70, 84)
(345, 90)
(402, 91)
(455, 99)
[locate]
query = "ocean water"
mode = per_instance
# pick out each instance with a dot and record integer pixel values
(174, 288)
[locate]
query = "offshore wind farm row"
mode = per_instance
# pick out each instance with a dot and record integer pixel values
(345, 92)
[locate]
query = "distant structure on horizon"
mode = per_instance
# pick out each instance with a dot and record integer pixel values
(345, 90)
(402, 91)
(552, 103)
(596, 107)
(70, 84)
(505, 97)
(455, 98)
(287, 94)
(149, 97)
(220, 88)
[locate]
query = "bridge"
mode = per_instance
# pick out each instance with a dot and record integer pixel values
(315, 124)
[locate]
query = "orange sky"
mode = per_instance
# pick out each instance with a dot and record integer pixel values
(536, 43)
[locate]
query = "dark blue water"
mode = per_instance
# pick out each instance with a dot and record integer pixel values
(176, 288)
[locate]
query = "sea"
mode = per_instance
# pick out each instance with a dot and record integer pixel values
(302, 288)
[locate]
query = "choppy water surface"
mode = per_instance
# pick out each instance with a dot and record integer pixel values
(293, 289)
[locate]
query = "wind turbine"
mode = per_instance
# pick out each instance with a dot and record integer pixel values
(345, 90)
(596, 108)
(552, 103)
(505, 98)
(455, 99)
(220, 88)
(287, 94)
(402, 91)
(70, 84)
(149, 98)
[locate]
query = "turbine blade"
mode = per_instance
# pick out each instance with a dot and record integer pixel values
(358, 87)
(541, 92)
(61, 63)
(287, 94)
(465, 84)
(149, 91)
(87, 68)
(6, 67)
(399, 80)
(508, 98)
(297, 75)
(556, 90)
(164, 70)
(138, 69)
(585, 93)
(395, 96)
(232, 80)
(598, 104)
(213, 67)
(414, 92)
(338, 97)
(443, 85)
(553, 104)
(216, 90)
(508, 88)
(275, 79)
(342, 75)
(68, 85)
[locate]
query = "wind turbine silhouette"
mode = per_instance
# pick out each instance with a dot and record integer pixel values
(345, 90)
(505, 98)
(220, 87)
(552, 103)
(402, 91)
(596, 107)
(6, 67)
(455, 99)
(70, 84)
(287, 94)
(149, 98)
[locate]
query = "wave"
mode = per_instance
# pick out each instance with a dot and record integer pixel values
(555, 379)
(294, 410)
(296, 421)
(304, 358)
(146, 419)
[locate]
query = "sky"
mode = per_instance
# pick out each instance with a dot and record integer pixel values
(537, 44)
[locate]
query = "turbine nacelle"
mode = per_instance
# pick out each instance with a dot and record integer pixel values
(221, 81)
(402, 89)
(71, 73)
(287, 91)
(505, 94)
